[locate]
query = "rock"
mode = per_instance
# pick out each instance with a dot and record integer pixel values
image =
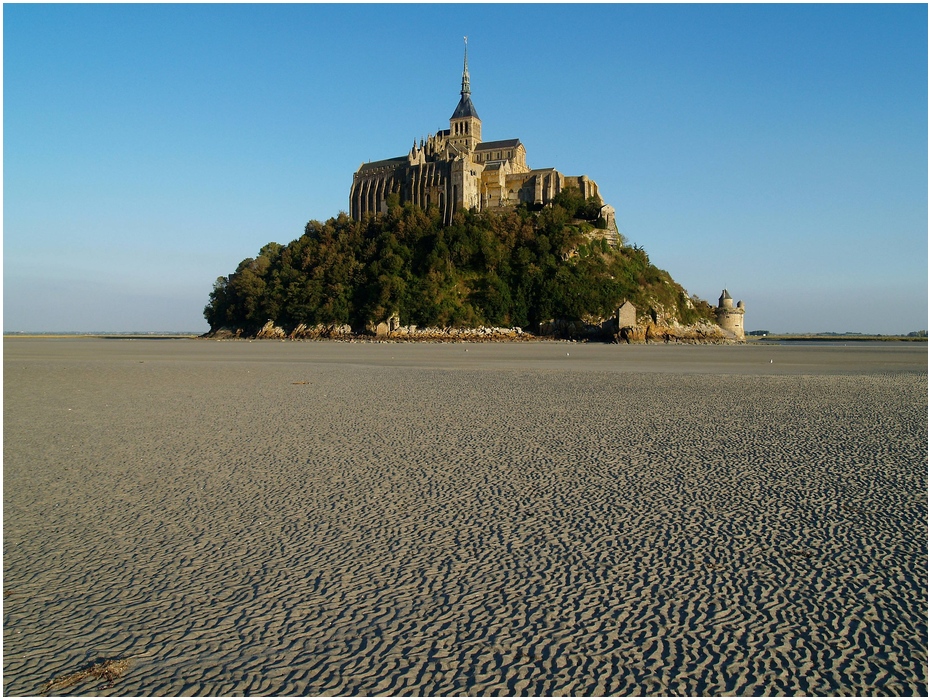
(223, 334)
(270, 330)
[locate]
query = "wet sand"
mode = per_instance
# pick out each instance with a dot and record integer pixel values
(465, 519)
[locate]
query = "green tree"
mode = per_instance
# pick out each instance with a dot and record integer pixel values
(520, 268)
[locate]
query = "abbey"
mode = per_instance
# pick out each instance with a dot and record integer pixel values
(455, 169)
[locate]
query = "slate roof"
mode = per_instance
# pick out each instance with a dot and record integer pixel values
(465, 108)
(490, 145)
(393, 162)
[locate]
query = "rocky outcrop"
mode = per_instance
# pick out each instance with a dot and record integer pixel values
(643, 332)
(224, 333)
(271, 332)
(481, 334)
(305, 332)
(674, 333)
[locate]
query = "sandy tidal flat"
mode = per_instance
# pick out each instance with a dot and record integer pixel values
(456, 519)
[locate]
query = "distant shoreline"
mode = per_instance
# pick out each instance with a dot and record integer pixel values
(819, 337)
(120, 336)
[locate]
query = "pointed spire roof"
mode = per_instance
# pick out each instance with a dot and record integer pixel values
(466, 89)
(465, 108)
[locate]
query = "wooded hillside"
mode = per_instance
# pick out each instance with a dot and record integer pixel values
(513, 269)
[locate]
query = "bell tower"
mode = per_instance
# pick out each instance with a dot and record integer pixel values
(465, 128)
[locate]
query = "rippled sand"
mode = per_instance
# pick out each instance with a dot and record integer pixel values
(345, 519)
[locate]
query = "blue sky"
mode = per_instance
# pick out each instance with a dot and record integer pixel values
(778, 150)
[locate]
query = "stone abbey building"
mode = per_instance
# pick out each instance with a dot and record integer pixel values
(455, 169)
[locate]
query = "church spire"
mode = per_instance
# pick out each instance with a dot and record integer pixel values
(465, 127)
(466, 90)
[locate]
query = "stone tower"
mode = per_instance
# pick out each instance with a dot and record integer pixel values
(730, 318)
(465, 128)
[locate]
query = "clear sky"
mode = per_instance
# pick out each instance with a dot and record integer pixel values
(778, 150)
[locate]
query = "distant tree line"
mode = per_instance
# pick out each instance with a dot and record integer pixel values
(498, 269)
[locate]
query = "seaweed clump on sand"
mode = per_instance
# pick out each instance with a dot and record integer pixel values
(109, 670)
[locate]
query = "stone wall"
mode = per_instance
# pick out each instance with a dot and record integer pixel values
(732, 321)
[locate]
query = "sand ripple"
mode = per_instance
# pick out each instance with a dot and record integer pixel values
(425, 531)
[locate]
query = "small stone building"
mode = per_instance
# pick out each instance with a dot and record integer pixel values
(626, 315)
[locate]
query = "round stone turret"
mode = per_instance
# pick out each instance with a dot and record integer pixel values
(729, 318)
